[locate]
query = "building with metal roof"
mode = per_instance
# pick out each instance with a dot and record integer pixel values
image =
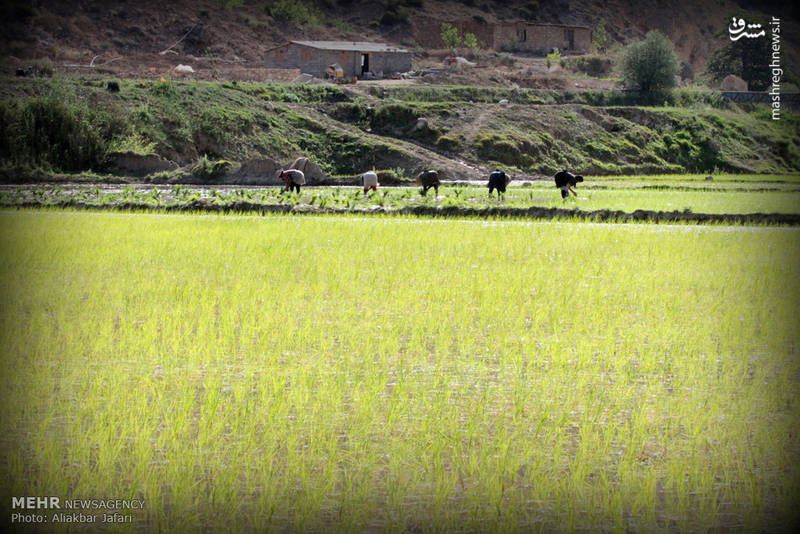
(357, 46)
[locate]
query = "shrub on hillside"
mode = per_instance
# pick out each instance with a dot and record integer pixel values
(591, 65)
(449, 143)
(8, 114)
(164, 88)
(393, 117)
(133, 142)
(53, 134)
(650, 65)
(503, 148)
(295, 11)
(352, 112)
(555, 58)
(206, 169)
(696, 154)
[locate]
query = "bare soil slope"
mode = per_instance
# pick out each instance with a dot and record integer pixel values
(138, 36)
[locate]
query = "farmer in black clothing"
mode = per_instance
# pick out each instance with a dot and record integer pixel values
(428, 179)
(565, 181)
(498, 180)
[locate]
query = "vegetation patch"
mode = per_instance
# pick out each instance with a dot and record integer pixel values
(504, 148)
(147, 347)
(597, 66)
(74, 124)
(47, 132)
(208, 170)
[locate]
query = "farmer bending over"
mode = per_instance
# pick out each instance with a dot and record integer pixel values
(292, 179)
(498, 180)
(428, 179)
(565, 181)
(369, 180)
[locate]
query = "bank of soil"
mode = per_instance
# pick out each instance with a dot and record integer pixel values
(491, 212)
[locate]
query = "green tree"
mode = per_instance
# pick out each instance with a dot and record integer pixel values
(600, 36)
(450, 36)
(471, 42)
(651, 64)
(554, 58)
(746, 58)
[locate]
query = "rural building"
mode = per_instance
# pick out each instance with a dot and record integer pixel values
(537, 38)
(357, 60)
(542, 38)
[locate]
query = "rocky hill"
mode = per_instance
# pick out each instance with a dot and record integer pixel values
(136, 37)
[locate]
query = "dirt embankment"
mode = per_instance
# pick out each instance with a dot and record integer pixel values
(455, 212)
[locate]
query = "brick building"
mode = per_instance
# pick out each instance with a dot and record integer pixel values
(356, 59)
(537, 38)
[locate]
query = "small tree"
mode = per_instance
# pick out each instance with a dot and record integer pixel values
(554, 58)
(471, 42)
(600, 36)
(651, 64)
(450, 36)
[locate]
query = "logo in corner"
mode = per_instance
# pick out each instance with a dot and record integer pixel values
(739, 29)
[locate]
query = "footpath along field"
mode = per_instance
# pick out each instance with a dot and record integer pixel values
(341, 374)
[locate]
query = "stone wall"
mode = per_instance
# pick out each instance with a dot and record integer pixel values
(536, 38)
(541, 39)
(316, 61)
(389, 62)
(428, 32)
(260, 75)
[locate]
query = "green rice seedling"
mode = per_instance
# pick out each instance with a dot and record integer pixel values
(155, 196)
(668, 195)
(328, 373)
(129, 193)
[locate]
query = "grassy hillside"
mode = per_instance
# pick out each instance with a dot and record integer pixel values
(75, 124)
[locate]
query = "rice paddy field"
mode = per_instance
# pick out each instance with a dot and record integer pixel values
(726, 194)
(388, 374)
